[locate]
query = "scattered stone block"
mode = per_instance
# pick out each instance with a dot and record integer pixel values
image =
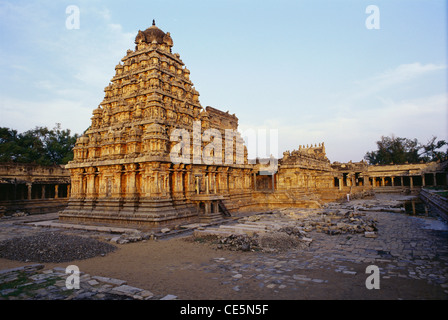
(93, 282)
(145, 294)
(370, 234)
(349, 272)
(115, 239)
(128, 290)
(169, 297)
(116, 282)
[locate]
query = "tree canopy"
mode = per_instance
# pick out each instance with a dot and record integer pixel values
(398, 150)
(39, 145)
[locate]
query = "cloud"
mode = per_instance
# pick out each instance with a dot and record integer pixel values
(23, 115)
(396, 82)
(403, 73)
(63, 71)
(349, 136)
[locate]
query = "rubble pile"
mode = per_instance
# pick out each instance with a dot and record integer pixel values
(267, 242)
(53, 247)
(287, 228)
(338, 222)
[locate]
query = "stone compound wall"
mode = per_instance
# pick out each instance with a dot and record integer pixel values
(32, 188)
(436, 201)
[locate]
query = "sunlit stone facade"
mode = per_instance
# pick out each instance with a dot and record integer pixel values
(122, 169)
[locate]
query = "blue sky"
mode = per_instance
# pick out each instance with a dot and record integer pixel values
(309, 69)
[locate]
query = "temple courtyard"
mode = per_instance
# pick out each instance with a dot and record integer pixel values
(305, 254)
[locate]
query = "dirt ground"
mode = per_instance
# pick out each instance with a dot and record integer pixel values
(179, 267)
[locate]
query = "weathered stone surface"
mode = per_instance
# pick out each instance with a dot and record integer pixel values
(368, 234)
(50, 284)
(169, 297)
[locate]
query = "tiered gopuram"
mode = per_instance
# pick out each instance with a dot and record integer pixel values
(122, 169)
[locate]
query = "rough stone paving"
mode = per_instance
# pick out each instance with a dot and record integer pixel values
(32, 283)
(404, 247)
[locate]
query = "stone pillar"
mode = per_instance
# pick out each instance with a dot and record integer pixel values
(423, 180)
(435, 179)
(131, 181)
(255, 181)
(215, 207)
(116, 186)
(156, 182)
(68, 191)
(197, 185)
(43, 192)
(411, 181)
(402, 181)
(30, 186)
(339, 183)
(179, 181)
(90, 182)
(276, 179)
(56, 191)
(382, 182)
(392, 180)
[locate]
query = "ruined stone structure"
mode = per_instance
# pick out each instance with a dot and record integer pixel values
(32, 188)
(386, 177)
(123, 169)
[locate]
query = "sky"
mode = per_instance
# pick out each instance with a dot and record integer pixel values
(307, 71)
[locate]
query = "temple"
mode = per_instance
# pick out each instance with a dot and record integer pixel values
(124, 169)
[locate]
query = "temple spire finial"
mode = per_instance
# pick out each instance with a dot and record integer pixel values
(153, 22)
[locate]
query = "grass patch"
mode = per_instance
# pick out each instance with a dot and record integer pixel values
(443, 194)
(22, 285)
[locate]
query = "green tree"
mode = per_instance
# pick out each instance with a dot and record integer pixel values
(431, 151)
(398, 150)
(31, 148)
(8, 144)
(59, 144)
(39, 145)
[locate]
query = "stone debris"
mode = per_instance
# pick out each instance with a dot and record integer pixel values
(369, 234)
(169, 297)
(288, 228)
(20, 214)
(131, 237)
(32, 282)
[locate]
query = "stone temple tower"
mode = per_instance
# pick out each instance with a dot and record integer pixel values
(122, 171)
